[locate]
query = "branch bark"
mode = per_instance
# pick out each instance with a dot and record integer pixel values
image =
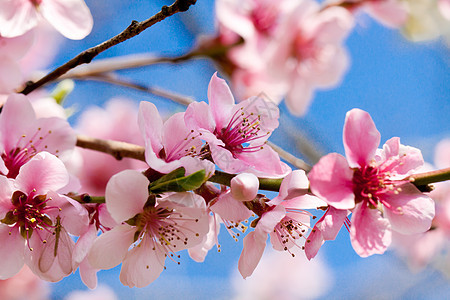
(132, 30)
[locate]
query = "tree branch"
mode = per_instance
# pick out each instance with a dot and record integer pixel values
(117, 149)
(132, 30)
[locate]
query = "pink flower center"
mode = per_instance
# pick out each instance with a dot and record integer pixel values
(242, 129)
(165, 227)
(370, 184)
(36, 2)
(25, 150)
(264, 18)
(29, 213)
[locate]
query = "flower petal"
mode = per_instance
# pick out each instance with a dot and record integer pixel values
(110, 248)
(143, 264)
(231, 209)
(151, 126)
(126, 194)
(71, 18)
(43, 173)
(411, 211)
(370, 233)
(221, 101)
(11, 251)
(331, 180)
(361, 138)
(251, 253)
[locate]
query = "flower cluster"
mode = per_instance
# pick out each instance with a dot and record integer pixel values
(64, 208)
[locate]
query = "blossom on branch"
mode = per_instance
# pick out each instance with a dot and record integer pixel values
(290, 48)
(150, 229)
(22, 135)
(71, 18)
(373, 183)
(36, 220)
(236, 134)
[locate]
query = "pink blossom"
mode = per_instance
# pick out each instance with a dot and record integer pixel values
(423, 248)
(171, 144)
(117, 121)
(71, 18)
(99, 219)
(290, 48)
(35, 217)
(24, 285)
(236, 133)
(22, 135)
(371, 182)
(152, 228)
(228, 204)
(286, 223)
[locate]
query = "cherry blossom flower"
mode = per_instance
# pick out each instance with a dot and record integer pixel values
(236, 133)
(152, 228)
(171, 144)
(99, 220)
(22, 135)
(71, 18)
(117, 121)
(24, 285)
(286, 223)
(35, 220)
(422, 248)
(374, 185)
(290, 48)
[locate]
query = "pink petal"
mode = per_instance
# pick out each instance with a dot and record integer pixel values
(401, 160)
(261, 110)
(361, 138)
(6, 191)
(313, 243)
(299, 97)
(111, 247)
(270, 219)
(251, 253)
(244, 187)
(370, 233)
(71, 18)
(43, 173)
(199, 252)
(16, 109)
(230, 209)
(84, 244)
(221, 101)
(88, 274)
(11, 251)
(177, 138)
(143, 264)
(264, 162)
(16, 47)
(10, 75)
(391, 13)
(411, 211)
(331, 180)
(58, 137)
(198, 115)
(332, 222)
(126, 194)
(151, 126)
(17, 17)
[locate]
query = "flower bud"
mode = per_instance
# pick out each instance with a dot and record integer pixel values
(244, 187)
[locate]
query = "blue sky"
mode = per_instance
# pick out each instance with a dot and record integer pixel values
(404, 86)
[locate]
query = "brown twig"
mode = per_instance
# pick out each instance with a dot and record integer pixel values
(132, 30)
(117, 149)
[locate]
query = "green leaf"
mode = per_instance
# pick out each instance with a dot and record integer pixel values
(178, 184)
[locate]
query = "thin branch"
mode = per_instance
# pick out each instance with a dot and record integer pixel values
(132, 30)
(117, 149)
(430, 177)
(133, 61)
(121, 149)
(110, 78)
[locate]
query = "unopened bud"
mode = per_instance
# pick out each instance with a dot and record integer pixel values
(244, 187)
